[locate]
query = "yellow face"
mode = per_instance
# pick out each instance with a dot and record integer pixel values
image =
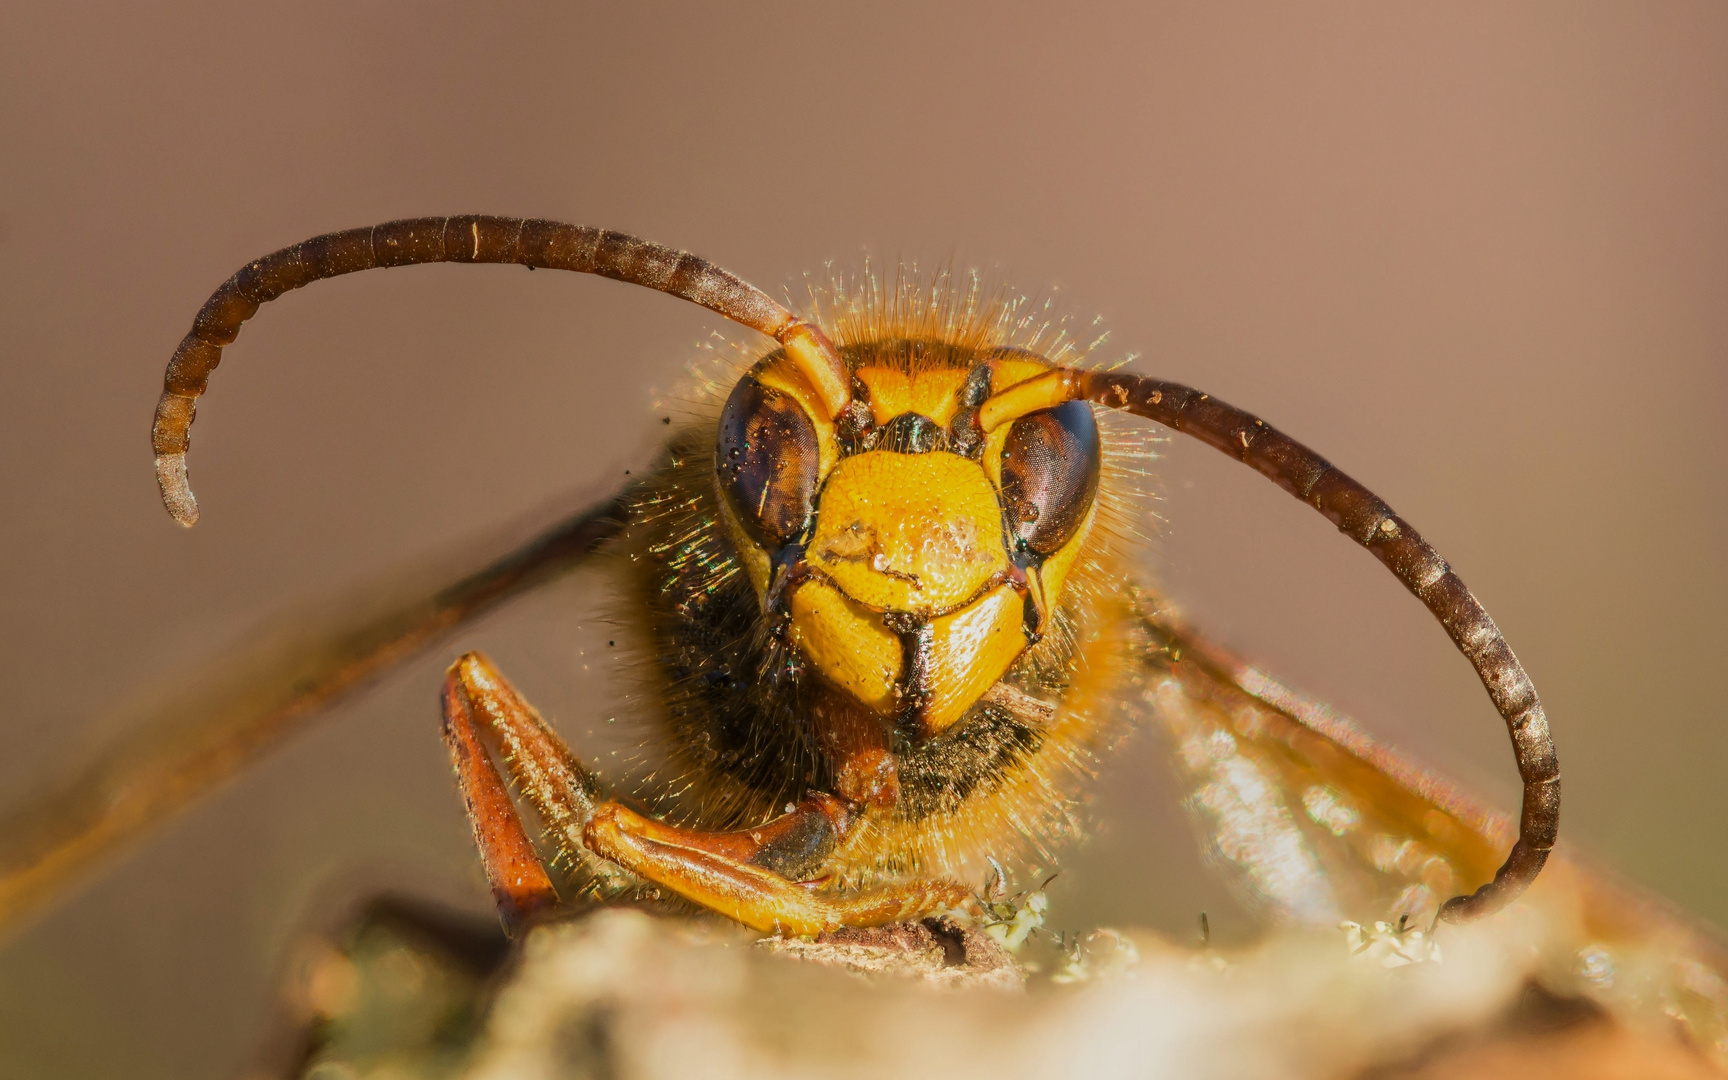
(913, 558)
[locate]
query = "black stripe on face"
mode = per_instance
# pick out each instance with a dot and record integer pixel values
(916, 637)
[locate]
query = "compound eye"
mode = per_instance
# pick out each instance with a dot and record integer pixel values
(766, 459)
(1049, 476)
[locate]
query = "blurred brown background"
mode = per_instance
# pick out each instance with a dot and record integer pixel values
(1476, 254)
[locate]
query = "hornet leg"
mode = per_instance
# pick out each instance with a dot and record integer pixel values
(751, 875)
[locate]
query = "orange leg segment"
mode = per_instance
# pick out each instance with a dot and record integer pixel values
(748, 874)
(520, 886)
(753, 895)
(563, 793)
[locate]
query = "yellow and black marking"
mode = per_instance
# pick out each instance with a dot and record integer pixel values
(895, 567)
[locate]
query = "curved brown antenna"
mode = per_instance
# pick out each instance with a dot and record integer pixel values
(1365, 518)
(467, 238)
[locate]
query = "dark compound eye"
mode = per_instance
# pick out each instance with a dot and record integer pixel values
(767, 460)
(1049, 476)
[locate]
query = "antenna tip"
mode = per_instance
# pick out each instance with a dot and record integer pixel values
(176, 489)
